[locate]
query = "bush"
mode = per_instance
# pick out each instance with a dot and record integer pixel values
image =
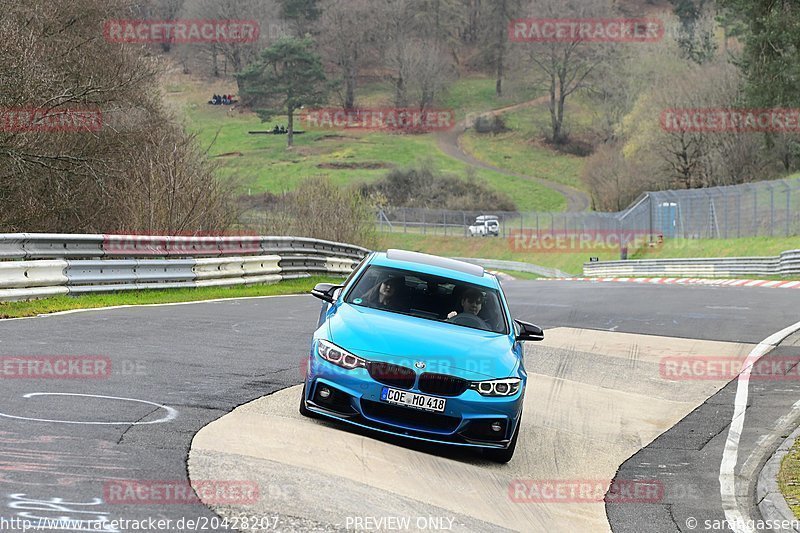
(493, 124)
(422, 187)
(321, 210)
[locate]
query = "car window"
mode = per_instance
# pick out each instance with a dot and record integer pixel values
(429, 297)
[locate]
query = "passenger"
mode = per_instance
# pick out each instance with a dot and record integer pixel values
(386, 295)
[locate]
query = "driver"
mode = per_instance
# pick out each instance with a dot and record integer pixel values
(471, 303)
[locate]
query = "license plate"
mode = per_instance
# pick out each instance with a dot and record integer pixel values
(414, 400)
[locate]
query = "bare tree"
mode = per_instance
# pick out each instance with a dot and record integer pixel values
(344, 40)
(235, 55)
(418, 62)
(566, 67)
(497, 15)
(90, 179)
(690, 157)
(429, 72)
(161, 10)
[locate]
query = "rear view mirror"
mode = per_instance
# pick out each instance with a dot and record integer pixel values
(325, 292)
(529, 332)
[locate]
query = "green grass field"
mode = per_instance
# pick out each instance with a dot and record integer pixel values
(261, 163)
(789, 478)
(520, 150)
(478, 94)
(92, 301)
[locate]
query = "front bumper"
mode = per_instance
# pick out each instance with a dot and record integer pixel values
(355, 398)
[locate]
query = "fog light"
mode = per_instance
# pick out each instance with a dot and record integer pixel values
(497, 427)
(324, 393)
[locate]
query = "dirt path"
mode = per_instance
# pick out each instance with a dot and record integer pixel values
(449, 143)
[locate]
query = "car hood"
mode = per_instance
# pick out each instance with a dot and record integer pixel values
(405, 340)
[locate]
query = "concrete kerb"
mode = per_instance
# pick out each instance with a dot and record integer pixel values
(771, 502)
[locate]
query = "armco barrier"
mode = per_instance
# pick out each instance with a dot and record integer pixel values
(236, 267)
(11, 246)
(28, 274)
(76, 264)
(61, 246)
(788, 264)
(45, 246)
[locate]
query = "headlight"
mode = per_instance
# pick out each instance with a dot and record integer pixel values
(339, 357)
(497, 387)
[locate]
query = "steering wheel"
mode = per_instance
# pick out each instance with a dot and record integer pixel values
(466, 319)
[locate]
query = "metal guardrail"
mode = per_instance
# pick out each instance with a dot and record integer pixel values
(63, 246)
(787, 264)
(42, 265)
(515, 266)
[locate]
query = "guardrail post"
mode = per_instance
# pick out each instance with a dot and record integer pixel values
(738, 216)
(771, 211)
(755, 213)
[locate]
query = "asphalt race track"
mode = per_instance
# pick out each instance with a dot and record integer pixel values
(597, 408)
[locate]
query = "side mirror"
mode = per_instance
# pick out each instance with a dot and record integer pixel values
(529, 332)
(325, 292)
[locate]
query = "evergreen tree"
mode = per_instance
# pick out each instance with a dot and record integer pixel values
(287, 76)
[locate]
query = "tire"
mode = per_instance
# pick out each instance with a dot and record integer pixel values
(503, 456)
(303, 409)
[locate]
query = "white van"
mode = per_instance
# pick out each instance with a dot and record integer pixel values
(485, 225)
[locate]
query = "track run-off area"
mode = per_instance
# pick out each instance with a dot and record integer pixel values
(209, 391)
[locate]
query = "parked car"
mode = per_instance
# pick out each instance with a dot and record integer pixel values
(485, 225)
(420, 347)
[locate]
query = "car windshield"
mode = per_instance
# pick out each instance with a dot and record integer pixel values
(429, 297)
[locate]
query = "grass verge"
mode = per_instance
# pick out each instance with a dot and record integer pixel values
(521, 275)
(572, 262)
(112, 299)
(744, 247)
(789, 478)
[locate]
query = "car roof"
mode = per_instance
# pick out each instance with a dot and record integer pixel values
(435, 265)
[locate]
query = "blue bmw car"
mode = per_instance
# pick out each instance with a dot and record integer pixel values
(421, 347)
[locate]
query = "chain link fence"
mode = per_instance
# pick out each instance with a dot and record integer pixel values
(768, 208)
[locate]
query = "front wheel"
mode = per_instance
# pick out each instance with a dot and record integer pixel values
(503, 456)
